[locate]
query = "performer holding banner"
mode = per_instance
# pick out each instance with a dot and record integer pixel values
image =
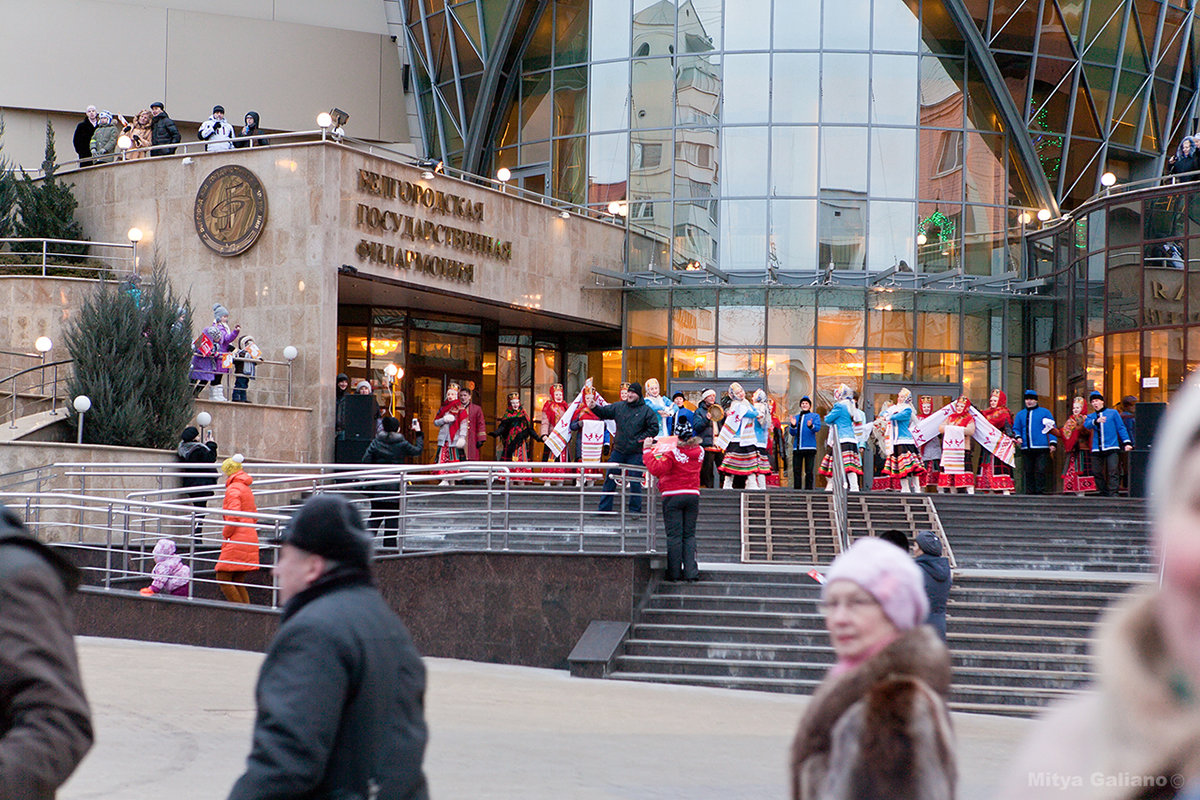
(904, 462)
(996, 476)
(957, 422)
(931, 450)
(842, 416)
(739, 440)
(593, 431)
(552, 411)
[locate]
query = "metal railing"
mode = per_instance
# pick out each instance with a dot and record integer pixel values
(841, 490)
(117, 512)
(267, 387)
(101, 259)
(37, 388)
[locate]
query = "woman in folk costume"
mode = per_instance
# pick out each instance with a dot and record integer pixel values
(451, 420)
(842, 417)
(514, 431)
(740, 440)
(775, 446)
(957, 429)
(593, 434)
(931, 451)
(762, 440)
(1077, 443)
(661, 405)
(552, 411)
(994, 474)
(904, 462)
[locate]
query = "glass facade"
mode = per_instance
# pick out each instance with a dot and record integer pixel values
(1116, 312)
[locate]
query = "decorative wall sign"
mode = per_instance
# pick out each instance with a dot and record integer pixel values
(231, 209)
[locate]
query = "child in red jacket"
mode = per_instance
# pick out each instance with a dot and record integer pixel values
(677, 466)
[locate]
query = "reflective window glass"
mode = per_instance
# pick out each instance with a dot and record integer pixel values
(699, 26)
(610, 30)
(984, 163)
(893, 162)
(844, 159)
(937, 367)
(841, 231)
(840, 318)
(745, 88)
(889, 365)
(646, 319)
(937, 322)
(694, 318)
(698, 90)
(844, 86)
(570, 102)
(1162, 358)
(983, 324)
(797, 26)
(794, 233)
(789, 377)
(844, 25)
(740, 364)
(892, 236)
(571, 31)
(794, 161)
(894, 90)
(797, 94)
(643, 364)
(609, 89)
(608, 168)
(742, 318)
(836, 367)
(1123, 372)
(695, 233)
(653, 93)
(792, 317)
(698, 364)
(748, 25)
(895, 26)
(535, 110)
(744, 234)
(745, 172)
(984, 241)
(890, 321)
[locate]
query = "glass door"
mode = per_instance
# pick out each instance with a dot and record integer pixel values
(876, 393)
(426, 396)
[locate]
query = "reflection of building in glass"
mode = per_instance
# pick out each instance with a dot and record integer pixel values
(768, 140)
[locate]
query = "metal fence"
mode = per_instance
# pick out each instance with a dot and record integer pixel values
(117, 512)
(36, 387)
(42, 257)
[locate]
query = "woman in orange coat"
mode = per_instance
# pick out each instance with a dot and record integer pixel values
(239, 553)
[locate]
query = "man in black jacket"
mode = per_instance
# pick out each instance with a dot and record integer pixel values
(82, 141)
(201, 482)
(341, 693)
(390, 447)
(936, 570)
(702, 426)
(45, 724)
(635, 422)
(163, 131)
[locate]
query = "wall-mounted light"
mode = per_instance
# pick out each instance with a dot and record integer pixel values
(427, 175)
(564, 214)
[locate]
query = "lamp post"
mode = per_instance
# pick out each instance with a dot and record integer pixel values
(393, 374)
(503, 176)
(289, 354)
(82, 404)
(135, 236)
(1108, 180)
(324, 122)
(43, 345)
(1024, 218)
(203, 419)
(123, 144)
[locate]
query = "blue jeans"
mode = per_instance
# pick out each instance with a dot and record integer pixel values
(240, 384)
(634, 481)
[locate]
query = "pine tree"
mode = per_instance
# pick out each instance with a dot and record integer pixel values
(8, 190)
(47, 208)
(132, 346)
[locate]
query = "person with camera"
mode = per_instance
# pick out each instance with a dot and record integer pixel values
(216, 132)
(390, 447)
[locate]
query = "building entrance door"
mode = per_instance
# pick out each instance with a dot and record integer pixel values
(426, 396)
(876, 393)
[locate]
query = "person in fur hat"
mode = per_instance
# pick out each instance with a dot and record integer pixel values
(1136, 734)
(878, 725)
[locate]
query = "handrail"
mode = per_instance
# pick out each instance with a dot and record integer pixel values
(53, 385)
(117, 265)
(840, 490)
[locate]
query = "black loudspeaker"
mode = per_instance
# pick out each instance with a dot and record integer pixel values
(1139, 467)
(1146, 417)
(358, 415)
(349, 451)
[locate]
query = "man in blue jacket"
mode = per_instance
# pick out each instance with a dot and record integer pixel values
(1108, 438)
(804, 429)
(679, 423)
(1037, 443)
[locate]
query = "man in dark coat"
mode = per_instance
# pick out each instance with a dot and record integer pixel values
(191, 451)
(702, 426)
(636, 422)
(82, 140)
(390, 447)
(936, 570)
(341, 693)
(163, 131)
(45, 724)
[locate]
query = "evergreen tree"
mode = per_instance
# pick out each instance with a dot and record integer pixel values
(47, 208)
(132, 347)
(8, 190)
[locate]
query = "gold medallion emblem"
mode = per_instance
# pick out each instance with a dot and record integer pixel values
(231, 209)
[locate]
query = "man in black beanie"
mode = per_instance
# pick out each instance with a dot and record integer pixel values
(201, 482)
(636, 422)
(341, 693)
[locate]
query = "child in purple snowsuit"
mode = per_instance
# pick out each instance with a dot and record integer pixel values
(170, 574)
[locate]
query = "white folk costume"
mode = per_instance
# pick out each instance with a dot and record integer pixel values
(845, 418)
(930, 450)
(739, 439)
(903, 461)
(552, 411)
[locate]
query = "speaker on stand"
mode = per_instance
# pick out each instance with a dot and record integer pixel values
(1147, 417)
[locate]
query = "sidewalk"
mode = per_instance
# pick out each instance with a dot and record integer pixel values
(174, 721)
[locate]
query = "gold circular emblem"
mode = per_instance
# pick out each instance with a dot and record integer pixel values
(231, 209)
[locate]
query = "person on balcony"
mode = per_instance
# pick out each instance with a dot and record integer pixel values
(216, 132)
(212, 354)
(140, 132)
(249, 134)
(163, 132)
(82, 140)
(1186, 159)
(104, 139)
(1109, 438)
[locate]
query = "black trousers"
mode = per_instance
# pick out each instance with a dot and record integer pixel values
(708, 471)
(1034, 464)
(385, 520)
(802, 463)
(679, 517)
(1105, 464)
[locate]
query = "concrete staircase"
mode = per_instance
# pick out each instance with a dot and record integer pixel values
(1017, 644)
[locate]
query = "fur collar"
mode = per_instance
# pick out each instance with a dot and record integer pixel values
(918, 653)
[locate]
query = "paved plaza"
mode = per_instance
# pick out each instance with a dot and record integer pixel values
(175, 721)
